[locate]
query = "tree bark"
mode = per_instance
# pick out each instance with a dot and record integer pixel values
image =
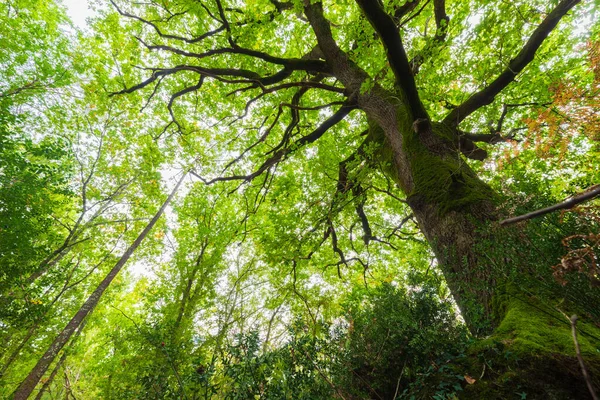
(30, 382)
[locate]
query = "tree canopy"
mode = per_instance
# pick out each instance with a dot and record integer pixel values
(270, 200)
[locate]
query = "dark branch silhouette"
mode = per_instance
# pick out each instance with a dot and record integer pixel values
(592, 192)
(526, 55)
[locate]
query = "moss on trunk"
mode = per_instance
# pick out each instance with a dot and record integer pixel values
(440, 176)
(531, 354)
(528, 351)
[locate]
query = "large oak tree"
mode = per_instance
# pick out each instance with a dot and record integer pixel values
(412, 87)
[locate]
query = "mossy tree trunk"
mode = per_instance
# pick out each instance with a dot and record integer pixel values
(454, 208)
(489, 269)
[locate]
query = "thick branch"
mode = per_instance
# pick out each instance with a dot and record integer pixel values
(491, 138)
(293, 64)
(390, 36)
(346, 183)
(441, 19)
(526, 55)
(415, 15)
(470, 149)
(406, 8)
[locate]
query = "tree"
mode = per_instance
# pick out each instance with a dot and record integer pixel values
(409, 94)
(30, 382)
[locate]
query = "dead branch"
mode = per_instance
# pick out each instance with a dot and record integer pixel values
(565, 205)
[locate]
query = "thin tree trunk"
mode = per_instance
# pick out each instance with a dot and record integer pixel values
(37, 322)
(59, 364)
(182, 307)
(186, 292)
(30, 382)
(17, 351)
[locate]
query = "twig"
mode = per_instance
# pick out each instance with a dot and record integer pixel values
(399, 378)
(584, 371)
(567, 204)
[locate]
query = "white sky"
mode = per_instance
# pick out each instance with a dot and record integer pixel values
(78, 11)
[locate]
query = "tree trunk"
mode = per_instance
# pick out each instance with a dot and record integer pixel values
(59, 364)
(490, 270)
(455, 210)
(28, 385)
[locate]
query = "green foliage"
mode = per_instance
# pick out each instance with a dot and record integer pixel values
(295, 284)
(295, 371)
(390, 341)
(34, 186)
(35, 49)
(402, 342)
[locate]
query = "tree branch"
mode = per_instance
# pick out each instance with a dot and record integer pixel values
(293, 64)
(166, 35)
(584, 372)
(286, 151)
(406, 8)
(565, 205)
(524, 57)
(470, 149)
(441, 19)
(390, 36)
(491, 138)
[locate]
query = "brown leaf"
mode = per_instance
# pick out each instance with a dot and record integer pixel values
(469, 380)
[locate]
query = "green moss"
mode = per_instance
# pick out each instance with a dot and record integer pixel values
(531, 353)
(532, 327)
(443, 179)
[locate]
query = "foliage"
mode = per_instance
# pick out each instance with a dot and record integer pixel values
(301, 259)
(35, 56)
(34, 187)
(390, 342)
(402, 343)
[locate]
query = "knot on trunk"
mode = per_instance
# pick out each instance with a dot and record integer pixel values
(421, 125)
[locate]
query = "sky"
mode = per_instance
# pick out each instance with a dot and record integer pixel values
(78, 11)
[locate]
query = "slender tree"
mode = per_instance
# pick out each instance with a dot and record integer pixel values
(30, 382)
